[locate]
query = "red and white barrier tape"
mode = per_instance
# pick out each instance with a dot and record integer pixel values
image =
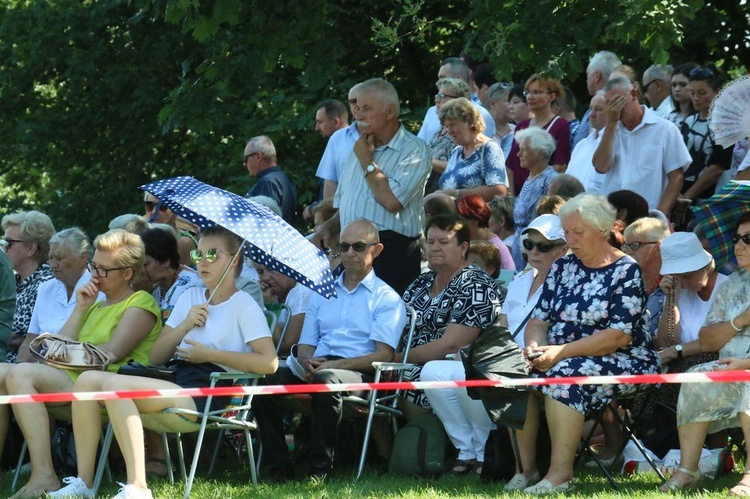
(704, 377)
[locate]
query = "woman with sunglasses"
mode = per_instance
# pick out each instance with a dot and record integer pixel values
(125, 325)
(710, 160)
(706, 408)
(441, 144)
(454, 302)
(590, 319)
(544, 243)
(215, 328)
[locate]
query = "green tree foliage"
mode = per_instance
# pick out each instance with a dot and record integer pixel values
(97, 98)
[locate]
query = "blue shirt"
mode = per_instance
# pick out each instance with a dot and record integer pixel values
(338, 149)
(274, 183)
(582, 131)
(485, 166)
(349, 325)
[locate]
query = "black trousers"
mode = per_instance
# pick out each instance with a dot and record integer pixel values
(327, 409)
(399, 263)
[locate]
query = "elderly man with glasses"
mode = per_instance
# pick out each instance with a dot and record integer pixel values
(260, 161)
(341, 338)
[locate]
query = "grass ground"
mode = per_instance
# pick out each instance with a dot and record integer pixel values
(232, 480)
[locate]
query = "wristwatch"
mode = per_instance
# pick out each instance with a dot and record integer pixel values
(678, 349)
(370, 168)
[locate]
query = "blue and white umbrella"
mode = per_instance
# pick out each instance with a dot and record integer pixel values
(269, 240)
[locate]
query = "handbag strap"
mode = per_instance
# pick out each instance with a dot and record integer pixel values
(520, 326)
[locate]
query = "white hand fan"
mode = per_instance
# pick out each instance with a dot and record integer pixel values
(729, 117)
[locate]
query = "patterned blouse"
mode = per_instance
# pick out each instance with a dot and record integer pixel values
(470, 299)
(26, 290)
(485, 166)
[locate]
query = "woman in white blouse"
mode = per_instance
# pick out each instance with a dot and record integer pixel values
(543, 243)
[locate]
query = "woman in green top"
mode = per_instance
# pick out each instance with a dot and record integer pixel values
(125, 325)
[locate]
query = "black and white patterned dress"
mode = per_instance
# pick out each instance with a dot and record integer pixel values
(470, 299)
(26, 291)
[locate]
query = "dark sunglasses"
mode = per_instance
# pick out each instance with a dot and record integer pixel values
(644, 88)
(248, 156)
(9, 242)
(150, 206)
(541, 246)
(702, 73)
(745, 238)
(211, 255)
(358, 247)
(636, 245)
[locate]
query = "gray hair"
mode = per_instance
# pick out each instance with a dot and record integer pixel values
(74, 240)
(264, 145)
(661, 72)
(458, 88)
(593, 209)
(355, 91)
(605, 62)
(35, 228)
(135, 224)
(620, 83)
(497, 89)
(385, 92)
(537, 139)
(268, 202)
(459, 68)
(650, 227)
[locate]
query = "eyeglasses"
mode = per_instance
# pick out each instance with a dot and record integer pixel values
(745, 238)
(9, 242)
(636, 245)
(211, 255)
(541, 246)
(248, 156)
(102, 271)
(644, 88)
(442, 97)
(358, 247)
(150, 206)
(535, 93)
(702, 73)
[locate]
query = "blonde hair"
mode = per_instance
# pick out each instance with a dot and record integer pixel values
(35, 228)
(649, 227)
(462, 110)
(127, 249)
(549, 205)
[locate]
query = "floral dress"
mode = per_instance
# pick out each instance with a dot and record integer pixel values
(485, 166)
(720, 403)
(470, 299)
(524, 211)
(577, 302)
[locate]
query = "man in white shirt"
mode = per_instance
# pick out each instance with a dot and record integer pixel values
(340, 340)
(657, 88)
(453, 67)
(639, 151)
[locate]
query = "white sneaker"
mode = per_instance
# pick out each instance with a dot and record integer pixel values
(75, 488)
(130, 491)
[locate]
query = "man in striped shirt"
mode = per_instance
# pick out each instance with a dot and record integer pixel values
(383, 182)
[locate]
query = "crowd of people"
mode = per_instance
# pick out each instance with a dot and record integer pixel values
(590, 215)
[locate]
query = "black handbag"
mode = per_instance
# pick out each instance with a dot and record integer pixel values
(495, 355)
(133, 368)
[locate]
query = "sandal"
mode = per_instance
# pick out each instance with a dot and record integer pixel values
(462, 467)
(672, 485)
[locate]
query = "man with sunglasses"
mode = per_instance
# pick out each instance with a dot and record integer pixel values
(340, 339)
(657, 88)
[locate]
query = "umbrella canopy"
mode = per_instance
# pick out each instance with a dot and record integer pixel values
(717, 219)
(269, 240)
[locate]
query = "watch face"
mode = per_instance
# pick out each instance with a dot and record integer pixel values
(370, 168)
(678, 348)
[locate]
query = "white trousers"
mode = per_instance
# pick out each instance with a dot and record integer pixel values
(465, 420)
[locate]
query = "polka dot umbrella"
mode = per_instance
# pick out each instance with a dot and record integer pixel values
(269, 240)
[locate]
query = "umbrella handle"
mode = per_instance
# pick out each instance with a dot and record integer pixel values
(224, 274)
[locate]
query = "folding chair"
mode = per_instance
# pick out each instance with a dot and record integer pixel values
(228, 418)
(383, 405)
(627, 426)
(63, 413)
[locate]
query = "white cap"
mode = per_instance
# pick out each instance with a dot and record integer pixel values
(683, 252)
(548, 226)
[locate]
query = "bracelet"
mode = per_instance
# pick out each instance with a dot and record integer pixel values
(731, 323)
